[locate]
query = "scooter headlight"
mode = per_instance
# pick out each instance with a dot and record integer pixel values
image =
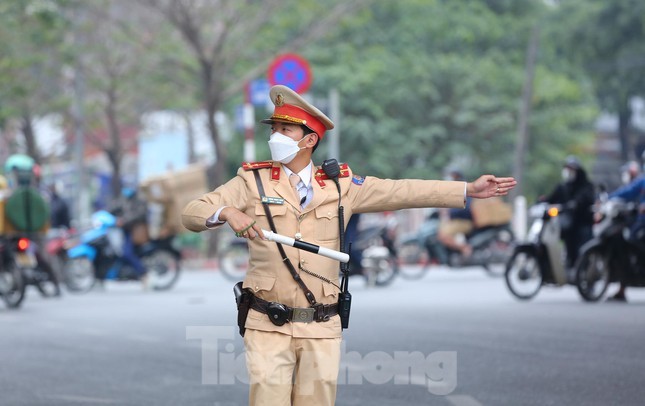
(553, 212)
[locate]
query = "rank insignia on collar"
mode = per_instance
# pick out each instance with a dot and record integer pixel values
(249, 166)
(321, 176)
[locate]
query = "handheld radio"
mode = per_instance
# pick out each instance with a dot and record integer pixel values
(332, 170)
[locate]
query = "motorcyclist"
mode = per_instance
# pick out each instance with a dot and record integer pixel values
(351, 235)
(635, 192)
(576, 194)
(630, 171)
(457, 222)
(131, 212)
(23, 173)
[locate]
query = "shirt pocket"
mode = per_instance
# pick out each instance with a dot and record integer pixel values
(327, 227)
(331, 292)
(277, 211)
(258, 283)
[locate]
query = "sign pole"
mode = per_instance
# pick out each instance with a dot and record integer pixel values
(334, 114)
(249, 126)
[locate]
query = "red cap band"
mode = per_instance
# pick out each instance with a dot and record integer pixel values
(294, 114)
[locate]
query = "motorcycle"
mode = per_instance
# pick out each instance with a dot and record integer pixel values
(58, 241)
(12, 286)
(610, 256)
(98, 257)
(34, 268)
(233, 258)
(373, 255)
(491, 248)
(540, 260)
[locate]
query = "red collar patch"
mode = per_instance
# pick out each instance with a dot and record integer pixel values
(321, 176)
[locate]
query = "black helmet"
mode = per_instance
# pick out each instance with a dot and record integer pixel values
(572, 162)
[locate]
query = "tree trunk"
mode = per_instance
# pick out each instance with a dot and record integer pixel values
(113, 150)
(27, 128)
(624, 116)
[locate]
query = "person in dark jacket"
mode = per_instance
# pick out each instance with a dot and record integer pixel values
(576, 194)
(131, 212)
(59, 210)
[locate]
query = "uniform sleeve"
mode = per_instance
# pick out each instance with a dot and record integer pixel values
(372, 194)
(233, 193)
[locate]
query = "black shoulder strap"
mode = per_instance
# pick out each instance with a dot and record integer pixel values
(308, 294)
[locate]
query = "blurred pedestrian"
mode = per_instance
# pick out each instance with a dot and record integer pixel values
(59, 210)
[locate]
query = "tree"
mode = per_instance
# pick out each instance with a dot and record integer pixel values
(427, 85)
(608, 40)
(113, 61)
(30, 64)
(234, 42)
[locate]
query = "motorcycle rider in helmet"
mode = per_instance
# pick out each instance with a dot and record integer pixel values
(633, 191)
(576, 194)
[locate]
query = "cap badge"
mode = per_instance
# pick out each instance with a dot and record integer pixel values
(279, 100)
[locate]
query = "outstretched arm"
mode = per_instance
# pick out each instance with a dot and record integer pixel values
(489, 185)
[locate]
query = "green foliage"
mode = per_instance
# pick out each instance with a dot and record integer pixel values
(424, 84)
(427, 85)
(29, 57)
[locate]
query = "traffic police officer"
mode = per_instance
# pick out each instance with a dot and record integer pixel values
(297, 362)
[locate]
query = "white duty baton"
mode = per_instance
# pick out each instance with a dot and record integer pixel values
(302, 245)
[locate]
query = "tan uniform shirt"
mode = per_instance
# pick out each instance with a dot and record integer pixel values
(268, 276)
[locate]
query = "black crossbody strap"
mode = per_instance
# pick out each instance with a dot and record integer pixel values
(308, 294)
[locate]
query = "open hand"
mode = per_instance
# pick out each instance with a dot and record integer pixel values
(489, 185)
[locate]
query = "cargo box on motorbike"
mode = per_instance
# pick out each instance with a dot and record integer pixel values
(491, 212)
(172, 191)
(25, 210)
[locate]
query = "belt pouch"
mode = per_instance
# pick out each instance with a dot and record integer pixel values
(243, 301)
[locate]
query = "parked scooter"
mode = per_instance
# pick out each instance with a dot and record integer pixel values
(233, 258)
(610, 256)
(12, 287)
(98, 257)
(540, 259)
(373, 255)
(491, 248)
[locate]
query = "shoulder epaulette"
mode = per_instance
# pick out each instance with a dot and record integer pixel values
(321, 176)
(248, 166)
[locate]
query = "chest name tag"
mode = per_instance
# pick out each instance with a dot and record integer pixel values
(272, 200)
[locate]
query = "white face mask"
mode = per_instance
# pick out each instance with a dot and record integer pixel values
(568, 175)
(283, 149)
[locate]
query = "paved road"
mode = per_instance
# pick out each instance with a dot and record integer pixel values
(452, 338)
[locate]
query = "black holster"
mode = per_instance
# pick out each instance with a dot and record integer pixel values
(243, 301)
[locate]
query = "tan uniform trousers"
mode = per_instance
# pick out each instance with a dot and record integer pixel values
(284, 370)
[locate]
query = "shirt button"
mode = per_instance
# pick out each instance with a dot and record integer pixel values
(298, 236)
